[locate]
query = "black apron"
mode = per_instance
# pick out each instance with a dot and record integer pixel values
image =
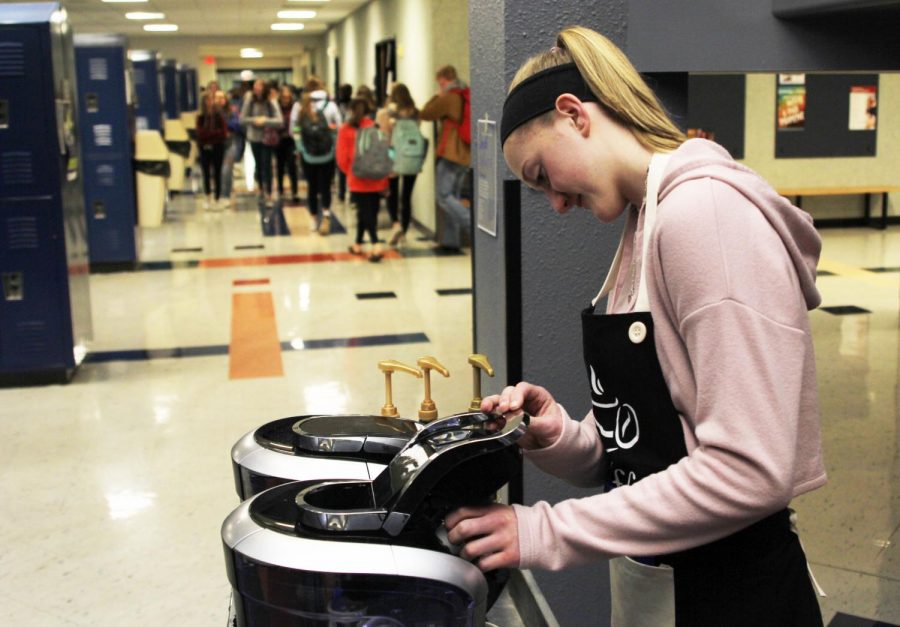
(757, 576)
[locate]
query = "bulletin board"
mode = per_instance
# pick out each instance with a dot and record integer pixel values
(716, 109)
(826, 115)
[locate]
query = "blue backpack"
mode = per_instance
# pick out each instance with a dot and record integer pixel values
(409, 147)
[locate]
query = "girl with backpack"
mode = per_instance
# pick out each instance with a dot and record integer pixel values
(366, 191)
(317, 118)
(285, 152)
(400, 123)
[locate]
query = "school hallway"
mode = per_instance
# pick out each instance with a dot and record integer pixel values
(117, 483)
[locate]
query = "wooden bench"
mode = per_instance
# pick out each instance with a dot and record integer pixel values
(866, 190)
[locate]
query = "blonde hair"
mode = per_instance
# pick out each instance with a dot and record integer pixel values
(612, 78)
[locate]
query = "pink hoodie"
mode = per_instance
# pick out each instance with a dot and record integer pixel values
(731, 275)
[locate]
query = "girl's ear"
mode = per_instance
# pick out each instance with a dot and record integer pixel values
(573, 108)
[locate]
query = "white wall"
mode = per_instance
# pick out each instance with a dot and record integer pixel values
(429, 34)
(296, 52)
(882, 169)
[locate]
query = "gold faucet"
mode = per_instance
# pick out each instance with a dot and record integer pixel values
(479, 362)
(428, 410)
(389, 367)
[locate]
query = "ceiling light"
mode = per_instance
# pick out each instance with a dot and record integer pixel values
(286, 26)
(161, 28)
(141, 15)
(296, 15)
(251, 53)
(125, 1)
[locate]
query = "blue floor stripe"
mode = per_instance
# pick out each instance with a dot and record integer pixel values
(142, 354)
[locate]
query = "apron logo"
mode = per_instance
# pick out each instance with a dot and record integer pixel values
(625, 416)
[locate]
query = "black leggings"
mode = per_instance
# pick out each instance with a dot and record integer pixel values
(262, 155)
(285, 159)
(211, 158)
(367, 215)
(318, 184)
(409, 181)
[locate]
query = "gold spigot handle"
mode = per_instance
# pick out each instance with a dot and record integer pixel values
(389, 367)
(428, 409)
(478, 362)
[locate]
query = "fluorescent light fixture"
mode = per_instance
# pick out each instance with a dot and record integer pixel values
(287, 26)
(296, 15)
(251, 53)
(141, 55)
(161, 28)
(125, 1)
(142, 15)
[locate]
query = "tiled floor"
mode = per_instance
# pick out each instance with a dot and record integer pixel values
(115, 485)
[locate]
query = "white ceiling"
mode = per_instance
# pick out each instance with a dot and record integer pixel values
(205, 17)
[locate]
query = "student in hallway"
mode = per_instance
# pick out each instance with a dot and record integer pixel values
(399, 121)
(318, 119)
(285, 152)
(366, 192)
(261, 121)
(454, 153)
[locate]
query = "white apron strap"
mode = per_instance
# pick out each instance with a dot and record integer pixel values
(658, 164)
(654, 176)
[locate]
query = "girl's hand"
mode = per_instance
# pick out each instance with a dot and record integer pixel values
(489, 535)
(546, 418)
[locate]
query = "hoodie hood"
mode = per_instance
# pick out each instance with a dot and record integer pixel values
(319, 95)
(700, 158)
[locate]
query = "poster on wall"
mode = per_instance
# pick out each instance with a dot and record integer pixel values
(863, 107)
(791, 112)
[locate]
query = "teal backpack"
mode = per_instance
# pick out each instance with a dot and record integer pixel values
(409, 147)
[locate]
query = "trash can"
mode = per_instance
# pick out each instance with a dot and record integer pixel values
(151, 167)
(179, 150)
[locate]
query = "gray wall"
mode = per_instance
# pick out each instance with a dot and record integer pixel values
(560, 262)
(563, 262)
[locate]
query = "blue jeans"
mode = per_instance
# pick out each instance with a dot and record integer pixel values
(234, 154)
(449, 182)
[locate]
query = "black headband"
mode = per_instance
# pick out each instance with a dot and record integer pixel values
(537, 94)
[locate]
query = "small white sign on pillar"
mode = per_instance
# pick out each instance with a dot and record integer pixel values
(486, 198)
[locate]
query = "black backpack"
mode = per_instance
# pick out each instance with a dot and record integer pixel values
(316, 138)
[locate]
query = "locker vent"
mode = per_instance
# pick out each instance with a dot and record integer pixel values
(139, 75)
(106, 175)
(16, 168)
(32, 337)
(103, 135)
(98, 69)
(22, 233)
(12, 59)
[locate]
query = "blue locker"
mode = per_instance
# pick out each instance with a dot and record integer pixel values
(171, 90)
(193, 99)
(45, 312)
(148, 93)
(105, 116)
(187, 88)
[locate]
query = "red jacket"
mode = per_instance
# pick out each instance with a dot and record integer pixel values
(346, 143)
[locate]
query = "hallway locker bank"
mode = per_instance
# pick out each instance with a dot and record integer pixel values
(45, 315)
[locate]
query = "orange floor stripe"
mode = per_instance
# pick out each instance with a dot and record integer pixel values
(255, 351)
(275, 260)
